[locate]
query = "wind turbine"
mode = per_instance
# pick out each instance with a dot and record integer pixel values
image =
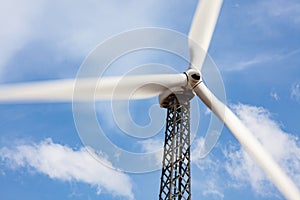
(184, 85)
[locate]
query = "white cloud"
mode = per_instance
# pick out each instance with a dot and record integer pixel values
(153, 145)
(65, 164)
(295, 92)
(237, 170)
(282, 146)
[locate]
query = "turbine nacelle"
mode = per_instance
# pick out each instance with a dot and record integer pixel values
(183, 93)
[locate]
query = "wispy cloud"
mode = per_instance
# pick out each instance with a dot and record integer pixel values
(17, 19)
(208, 180)
(260, 60)
(275, 12)
(68, 30)
(63, 163)
(239, 170)
(295, 92)
(275, 95)
(261, 33)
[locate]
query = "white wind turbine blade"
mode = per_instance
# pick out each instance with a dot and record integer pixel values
(66, 90)
(201, 31)
(249, 143)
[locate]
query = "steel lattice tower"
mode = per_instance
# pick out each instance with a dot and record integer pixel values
(176, 173)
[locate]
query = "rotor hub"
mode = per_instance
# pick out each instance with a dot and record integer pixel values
(194, 77)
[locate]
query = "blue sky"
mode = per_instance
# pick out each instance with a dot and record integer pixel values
(256, 47)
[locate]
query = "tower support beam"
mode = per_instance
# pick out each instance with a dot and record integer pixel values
(176, 173)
